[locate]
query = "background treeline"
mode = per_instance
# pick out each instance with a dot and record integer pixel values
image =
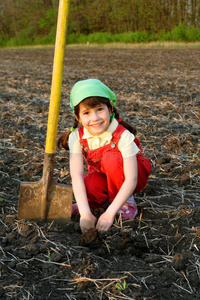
(25, 22)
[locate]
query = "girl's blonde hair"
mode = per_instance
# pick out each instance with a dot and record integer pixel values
(62, 141)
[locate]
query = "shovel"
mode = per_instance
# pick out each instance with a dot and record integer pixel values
(46, 200)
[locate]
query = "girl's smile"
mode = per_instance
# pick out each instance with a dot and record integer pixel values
(95, 119)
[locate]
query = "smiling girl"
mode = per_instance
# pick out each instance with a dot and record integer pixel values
(117, 168)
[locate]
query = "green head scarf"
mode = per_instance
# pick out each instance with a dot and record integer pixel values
(90, 88)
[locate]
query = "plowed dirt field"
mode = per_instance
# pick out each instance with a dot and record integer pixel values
(157, 255)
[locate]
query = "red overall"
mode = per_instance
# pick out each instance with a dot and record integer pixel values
(106, 173)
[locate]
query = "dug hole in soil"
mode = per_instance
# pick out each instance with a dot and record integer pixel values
(155, 256)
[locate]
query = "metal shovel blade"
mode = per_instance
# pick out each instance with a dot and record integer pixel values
(58, 207)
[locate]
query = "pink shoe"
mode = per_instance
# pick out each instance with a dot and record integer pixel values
(128, 211)
(75, 210)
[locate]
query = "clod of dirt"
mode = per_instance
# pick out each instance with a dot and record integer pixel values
(8, 220)
(184, 179)
(88, 237)
(32, 249)
(55, 257)
(179, 261)
(163, 160)
(153, 258)
(198, 232)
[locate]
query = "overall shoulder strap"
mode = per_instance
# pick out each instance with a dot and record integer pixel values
(82, 141)
(117, 133)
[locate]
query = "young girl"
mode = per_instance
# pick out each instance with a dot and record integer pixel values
(116, 165)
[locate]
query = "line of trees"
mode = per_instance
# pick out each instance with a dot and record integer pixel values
(117, 16)
(36, 18)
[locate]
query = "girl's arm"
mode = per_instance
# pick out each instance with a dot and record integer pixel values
(87, 219)
(130, 171)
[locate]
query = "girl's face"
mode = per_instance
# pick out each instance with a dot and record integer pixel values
(95, 119)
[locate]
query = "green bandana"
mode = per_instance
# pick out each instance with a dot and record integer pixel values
(90, 88)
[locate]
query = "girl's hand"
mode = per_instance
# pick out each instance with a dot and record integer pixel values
(105, 221)
(87, 222)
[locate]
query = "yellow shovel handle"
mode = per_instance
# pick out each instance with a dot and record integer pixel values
(59, 54)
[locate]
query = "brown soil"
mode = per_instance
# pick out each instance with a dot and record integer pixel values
(156, 256)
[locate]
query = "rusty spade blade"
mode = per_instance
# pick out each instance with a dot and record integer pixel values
(45, 199)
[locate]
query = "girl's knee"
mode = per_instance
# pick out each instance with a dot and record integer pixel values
(96, 185)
